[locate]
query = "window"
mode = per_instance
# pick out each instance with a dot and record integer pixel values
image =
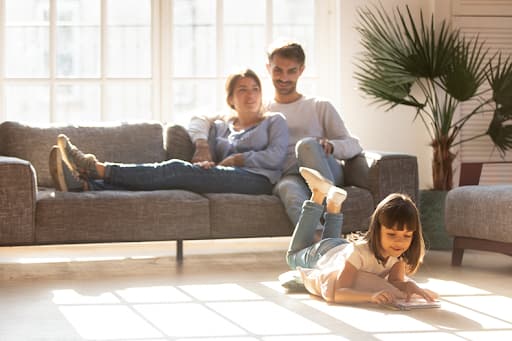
(73, 61)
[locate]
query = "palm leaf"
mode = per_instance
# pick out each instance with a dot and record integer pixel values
(500, 79)
(500, 129)
(467, 72)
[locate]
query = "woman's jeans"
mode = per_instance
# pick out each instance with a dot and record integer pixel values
(179, 174)
(302, 251)
(292, 190)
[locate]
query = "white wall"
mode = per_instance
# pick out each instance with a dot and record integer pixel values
(377, 129)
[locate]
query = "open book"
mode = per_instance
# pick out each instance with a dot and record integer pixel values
(414, 303)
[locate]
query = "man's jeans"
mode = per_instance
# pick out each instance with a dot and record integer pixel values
(178, 174)
(292, 189)
(302, 252)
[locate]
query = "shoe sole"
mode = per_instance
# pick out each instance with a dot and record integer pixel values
(62, 142)
(326, 184)
(56, 170)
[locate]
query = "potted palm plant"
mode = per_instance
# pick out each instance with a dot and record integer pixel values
(445, 69)
(433, 69)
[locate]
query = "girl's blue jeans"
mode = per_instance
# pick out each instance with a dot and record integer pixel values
(179, 174)
(303, 251)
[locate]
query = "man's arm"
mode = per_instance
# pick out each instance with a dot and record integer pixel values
(198, 129)
(344, 144)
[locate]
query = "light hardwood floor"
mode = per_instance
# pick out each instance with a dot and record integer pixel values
(228, 290)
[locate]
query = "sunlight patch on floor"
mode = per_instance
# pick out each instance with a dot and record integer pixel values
(157, 294)
(104, 322)
(219, 292)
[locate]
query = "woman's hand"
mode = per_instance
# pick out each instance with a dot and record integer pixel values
(202, 152)
(234, 160)
(382, 297)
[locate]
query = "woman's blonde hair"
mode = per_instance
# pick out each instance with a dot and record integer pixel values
(398, 211)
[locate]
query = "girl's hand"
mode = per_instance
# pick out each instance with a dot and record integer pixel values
(410, 288)
(205, 164)
(382, 297)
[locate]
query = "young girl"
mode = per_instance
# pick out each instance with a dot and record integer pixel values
(338, 270)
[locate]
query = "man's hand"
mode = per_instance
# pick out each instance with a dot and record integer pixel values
(235, 160)
(202, 152)
(326, 145)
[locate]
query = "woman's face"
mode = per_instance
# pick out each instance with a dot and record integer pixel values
(246, 97)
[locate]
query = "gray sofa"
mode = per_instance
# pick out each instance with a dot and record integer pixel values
(33, 213)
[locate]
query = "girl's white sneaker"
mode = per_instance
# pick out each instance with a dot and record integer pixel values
(315, 180)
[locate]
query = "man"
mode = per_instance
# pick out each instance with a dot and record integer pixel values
(317, 134)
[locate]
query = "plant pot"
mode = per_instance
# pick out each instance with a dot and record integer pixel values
(431, 207)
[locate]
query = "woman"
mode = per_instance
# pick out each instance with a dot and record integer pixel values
(250, 146)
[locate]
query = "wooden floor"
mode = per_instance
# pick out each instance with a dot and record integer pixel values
(227, 290)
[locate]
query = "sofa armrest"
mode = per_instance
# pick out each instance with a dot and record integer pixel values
(18, 193)
(383, 173)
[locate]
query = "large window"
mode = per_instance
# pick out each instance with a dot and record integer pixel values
(74, 61)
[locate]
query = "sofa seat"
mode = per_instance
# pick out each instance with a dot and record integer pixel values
(91, 217)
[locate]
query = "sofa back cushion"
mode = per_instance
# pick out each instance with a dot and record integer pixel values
(178, 143)
(120, 142)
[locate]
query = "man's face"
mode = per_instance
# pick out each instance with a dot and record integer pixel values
(285, 73)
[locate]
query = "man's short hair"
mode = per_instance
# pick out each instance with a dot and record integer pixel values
(287, 49)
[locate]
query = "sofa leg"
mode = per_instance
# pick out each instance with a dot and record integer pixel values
(457, 257)
(179, 250)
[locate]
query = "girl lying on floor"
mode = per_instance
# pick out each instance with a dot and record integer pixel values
(373, 270)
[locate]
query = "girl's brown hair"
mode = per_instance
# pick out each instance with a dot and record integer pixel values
(398, 211)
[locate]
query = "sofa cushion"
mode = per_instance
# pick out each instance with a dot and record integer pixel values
(118, 216)
(357, 209)
(242, 215)
(178, 143)
(129, 143)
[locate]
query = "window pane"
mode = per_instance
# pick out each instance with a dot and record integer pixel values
(21, 107)
(294, 19)
(78, 38)
(78, 52)
(244, 34)
(26, 52)
(26, 38)
(194, 97)
(129, 38)
(194, 38)
(78, 103)
(128, 12)
(126, 102)
(78, 12)
(24, 12)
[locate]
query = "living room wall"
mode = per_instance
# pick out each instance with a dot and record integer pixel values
(377, 129)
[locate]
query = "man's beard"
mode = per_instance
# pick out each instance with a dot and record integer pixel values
(289, 89)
